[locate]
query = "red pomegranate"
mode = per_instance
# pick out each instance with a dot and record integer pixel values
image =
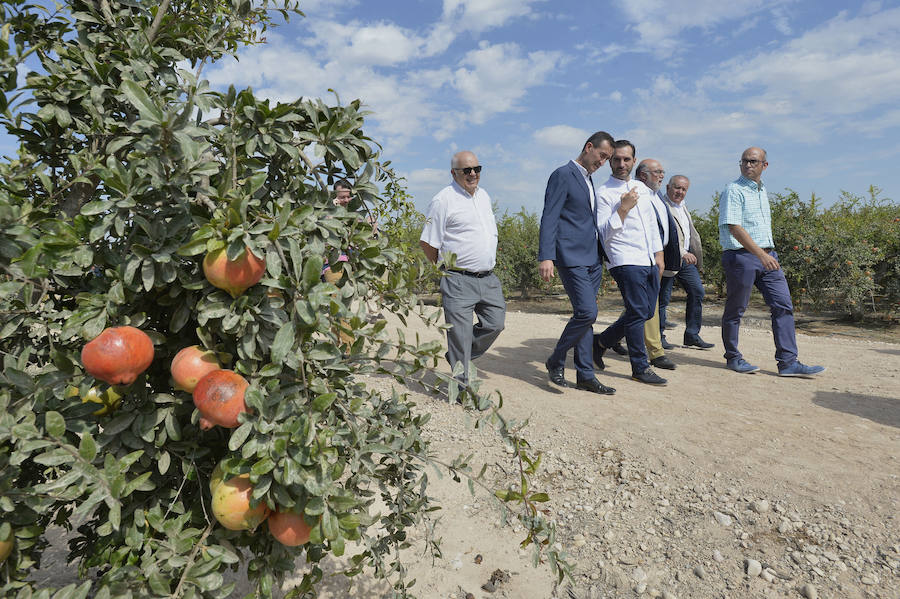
(190, 365)
(231, 504)
(219, 397)
(118, 355)
(288, 528)
(235, 276)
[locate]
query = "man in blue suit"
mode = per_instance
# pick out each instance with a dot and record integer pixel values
(569, 240)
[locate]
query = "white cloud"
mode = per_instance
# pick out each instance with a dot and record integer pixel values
(846, 66)
(493, 77)
(381, 44)
(561, 136)
(430, 177)
(659, 23)
(480, 15)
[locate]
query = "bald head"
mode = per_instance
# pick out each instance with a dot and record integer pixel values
(459, 164)
(753, 163)
(651, 173)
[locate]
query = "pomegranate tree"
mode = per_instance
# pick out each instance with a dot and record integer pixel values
(146, 213)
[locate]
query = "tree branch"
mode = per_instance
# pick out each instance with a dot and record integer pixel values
(157, 21)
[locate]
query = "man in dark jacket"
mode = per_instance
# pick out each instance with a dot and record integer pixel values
(569, 240)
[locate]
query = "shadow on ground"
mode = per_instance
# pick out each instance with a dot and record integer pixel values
(883, 410)
(525, 363)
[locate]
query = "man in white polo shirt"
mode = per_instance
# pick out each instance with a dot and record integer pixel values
(461, 222)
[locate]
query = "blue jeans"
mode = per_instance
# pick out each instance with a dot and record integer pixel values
(639, 286)
(581, 284)
(743, 270)
(689, 279)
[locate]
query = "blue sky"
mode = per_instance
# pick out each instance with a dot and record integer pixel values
(523, 82)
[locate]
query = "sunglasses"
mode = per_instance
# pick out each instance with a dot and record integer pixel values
(470, 169)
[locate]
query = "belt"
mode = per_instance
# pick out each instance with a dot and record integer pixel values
(469, 273)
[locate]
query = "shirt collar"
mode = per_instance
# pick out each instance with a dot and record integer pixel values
(666, 199)
(583, 170)
(461, 190)
(751, 183)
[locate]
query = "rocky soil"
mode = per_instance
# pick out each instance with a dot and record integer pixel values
(716, 486)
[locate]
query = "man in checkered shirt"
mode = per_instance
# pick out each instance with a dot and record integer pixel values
(748, 259)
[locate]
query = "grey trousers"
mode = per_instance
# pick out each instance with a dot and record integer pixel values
(462, 296)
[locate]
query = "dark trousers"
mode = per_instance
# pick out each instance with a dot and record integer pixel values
(743, 270)
(689, 279)
(462, 297)
(581, 284)
(639, 286)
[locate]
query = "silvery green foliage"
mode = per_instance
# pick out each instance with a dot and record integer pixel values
(130, 169)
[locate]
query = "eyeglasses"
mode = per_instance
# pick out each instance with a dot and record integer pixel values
(750, 162)
(470, 169)
(659, 173)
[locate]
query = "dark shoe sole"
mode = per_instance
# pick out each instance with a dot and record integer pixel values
(603, 390)
(698, 346)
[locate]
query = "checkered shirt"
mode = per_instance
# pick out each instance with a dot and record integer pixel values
(746, 204)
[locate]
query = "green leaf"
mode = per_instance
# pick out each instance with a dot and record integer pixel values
(283, 343)
(321, 402)
(195, 246)
(87, 447)
(312, 270)
(97, 207)
(330, 526)
(55, 424)
(239, 436)
(539, 497)
(138, 98)
(262, 466)
(148, 272)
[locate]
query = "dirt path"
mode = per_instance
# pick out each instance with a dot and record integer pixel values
(678, 491)
(719, 485)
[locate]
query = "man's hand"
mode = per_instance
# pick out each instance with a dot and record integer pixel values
(769, 262)
(689, 258)
(545, 269)
(630, 199)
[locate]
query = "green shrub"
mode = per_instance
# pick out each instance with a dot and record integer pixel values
(517, 250)
(843, 258)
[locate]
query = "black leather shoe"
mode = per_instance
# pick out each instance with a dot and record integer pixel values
(669, 325)
(556, 375)
(594, 386)
(663, 362)
(620, 349)
(649, 377)
(665, 344)
(598, 353)
(697, 342)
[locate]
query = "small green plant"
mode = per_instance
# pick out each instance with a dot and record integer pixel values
(517, 249)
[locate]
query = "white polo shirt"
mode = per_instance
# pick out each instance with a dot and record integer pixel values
(464, 225)
(635, 241)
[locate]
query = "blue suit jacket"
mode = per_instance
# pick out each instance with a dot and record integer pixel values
(568, 226)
